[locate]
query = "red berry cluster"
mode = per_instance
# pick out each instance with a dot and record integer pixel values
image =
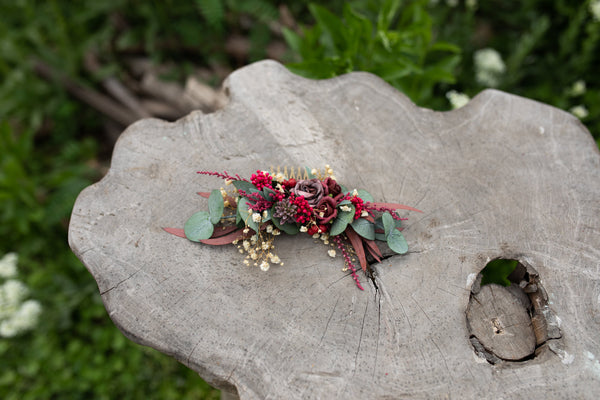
(304, 211)
(317, 229)
(359, 205)
(289, 184)
(261, 179)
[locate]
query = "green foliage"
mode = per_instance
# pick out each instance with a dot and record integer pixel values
(397, 44)
(497, 271)
(547, 47)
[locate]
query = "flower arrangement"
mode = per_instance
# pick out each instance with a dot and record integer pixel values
(307, 201)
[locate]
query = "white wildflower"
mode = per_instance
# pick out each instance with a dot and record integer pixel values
(12, 293)
(8, 266)
(264, 266)
(579, 111)
(24, 319)
(457, 99)
(595, 9)
(489, 67)
(577, 89)
(331, 253)
(256, 217)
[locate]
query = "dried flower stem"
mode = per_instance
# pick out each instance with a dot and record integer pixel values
(223, 175)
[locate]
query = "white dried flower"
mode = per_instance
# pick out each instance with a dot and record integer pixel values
(303, 228)
(256, 217)
(345, 208)
(264, 266)
(489, 67)
(457, 99)
(8, 266)
(269, 229)
(275, 259)
(331, 253)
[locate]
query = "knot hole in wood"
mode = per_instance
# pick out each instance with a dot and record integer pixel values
(512, 323)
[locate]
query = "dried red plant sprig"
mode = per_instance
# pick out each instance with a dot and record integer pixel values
(224, 175)
(340, 245)
(304, 211)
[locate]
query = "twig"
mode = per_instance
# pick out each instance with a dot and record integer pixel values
(100, 102)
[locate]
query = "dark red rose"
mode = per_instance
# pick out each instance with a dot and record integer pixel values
(326, 210)
(331, 187)
(310, 189)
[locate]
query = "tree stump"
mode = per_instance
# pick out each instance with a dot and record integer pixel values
(503, 177)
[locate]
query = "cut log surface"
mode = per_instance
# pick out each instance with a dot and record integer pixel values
(501, 177)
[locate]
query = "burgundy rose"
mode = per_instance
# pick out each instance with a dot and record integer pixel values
(326, 210)
(331, 187)
(310, 189)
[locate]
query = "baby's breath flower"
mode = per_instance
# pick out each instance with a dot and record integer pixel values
(256, 217)
(274, 258)
(303, 228)
(265, 246)
(345, 208)
(264, 266)
(246, 230)
(364, 213)
(269, 228)
(276, 232)
(246, 245)
(331, 253)
(246, 262)
(316, 236)
(228, 182)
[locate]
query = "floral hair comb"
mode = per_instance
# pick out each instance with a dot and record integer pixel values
(307, 201)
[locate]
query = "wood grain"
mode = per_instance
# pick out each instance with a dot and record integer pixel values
(502, 177)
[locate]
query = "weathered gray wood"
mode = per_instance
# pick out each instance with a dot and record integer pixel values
(501, 177)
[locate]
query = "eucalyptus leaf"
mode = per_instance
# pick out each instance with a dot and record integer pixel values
(364, 228)
(215, 206)
(246, 214)
(366, 196)
(339, 225)
(396, 242)
(388, 223)
(380, 236)
(267, 192)
(344, 202)
(290, 229)
(245, 186)
(198, 227)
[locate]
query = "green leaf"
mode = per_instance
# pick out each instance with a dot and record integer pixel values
(215, 206)
(292, 39)
(364, 228)
(396, 242)
(290, 229)
(366, 196)
(341, 222)
(497, 271)
(198, 227)
(267, 192)
(245, 186)
(388, 223)
(246, 214)
(331, 25)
